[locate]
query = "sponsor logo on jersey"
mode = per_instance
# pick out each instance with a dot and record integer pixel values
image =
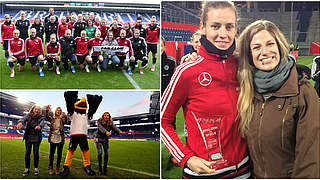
(166, 67)
(204, 79)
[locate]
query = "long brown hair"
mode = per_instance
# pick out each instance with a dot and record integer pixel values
(245, 70)
(55, 112)
(34, 107)
(109, 121)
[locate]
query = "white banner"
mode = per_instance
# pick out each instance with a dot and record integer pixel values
(121, 49)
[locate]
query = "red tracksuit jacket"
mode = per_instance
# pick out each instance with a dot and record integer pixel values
(116, 33)
(16, 47)
(6, 31)
(62, 29)
(53, 51)
(103, 30)
(82, 46)
(95, 42)
(70, 25)
(207, 89)
(153, 35)
(125, 42)
(34, 47)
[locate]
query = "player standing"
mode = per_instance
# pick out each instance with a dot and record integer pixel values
(23, 25)
(6, 30)
(68, 46)
(62, 27)
(153, 33)
(123, 41)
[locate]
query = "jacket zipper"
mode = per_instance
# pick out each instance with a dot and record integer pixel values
(282, 129)
(259, 137)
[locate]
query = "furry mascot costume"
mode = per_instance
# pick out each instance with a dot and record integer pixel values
(79, 127)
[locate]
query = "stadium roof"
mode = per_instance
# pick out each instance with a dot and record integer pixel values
(14, 105)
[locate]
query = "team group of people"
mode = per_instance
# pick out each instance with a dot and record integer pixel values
(74, 40)
(79, 115)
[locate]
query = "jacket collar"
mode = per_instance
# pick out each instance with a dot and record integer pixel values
(208, 50)
(289, 88)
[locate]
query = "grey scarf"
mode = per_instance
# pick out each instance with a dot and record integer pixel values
(271, 81)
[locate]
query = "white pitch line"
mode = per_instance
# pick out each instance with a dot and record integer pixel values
(134, 84)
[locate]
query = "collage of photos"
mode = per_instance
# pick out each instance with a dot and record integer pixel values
(159, 89)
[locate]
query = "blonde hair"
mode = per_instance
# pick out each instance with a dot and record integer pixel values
(197, 33)
(55, 112)
(245, 67)
(35, 107)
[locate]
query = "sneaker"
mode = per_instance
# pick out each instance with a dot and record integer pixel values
(87, 68)
(73, 70)
(51, 171)
(12, 74)
(153, 68)
(57, 71)
(41, 74)
(140, 70)
(98, 68)
(25, 172)
(65, 172)
(129, 72)
(36, 171)
(89, 171)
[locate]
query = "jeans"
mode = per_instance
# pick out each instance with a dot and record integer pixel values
(35, 154)
(115, 60)
(53, 147)
(105, 145)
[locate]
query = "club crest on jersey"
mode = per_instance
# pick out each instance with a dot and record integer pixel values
(204, 79)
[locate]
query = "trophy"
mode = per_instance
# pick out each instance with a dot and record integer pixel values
(209, 126)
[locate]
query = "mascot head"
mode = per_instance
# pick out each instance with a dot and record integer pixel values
(81, 106)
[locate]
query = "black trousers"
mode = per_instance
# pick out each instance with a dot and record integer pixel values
(53, 147)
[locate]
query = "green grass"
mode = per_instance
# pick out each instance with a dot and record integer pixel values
(108, 79)
(175, 172)
(127, 159)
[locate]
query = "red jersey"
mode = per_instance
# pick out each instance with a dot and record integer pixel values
(70, 25)
(53, 49)
(153, 35)
(34, 47)
(96, 24)
(6, 31)
(95, 42)
(125, 42)
(103, 30)
(62, 29)
(207, 90)
(116, 32)
(16, 47)
(82, 46)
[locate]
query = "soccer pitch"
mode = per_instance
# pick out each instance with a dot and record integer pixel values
(107, 79)
(127, 159)
(169, 171)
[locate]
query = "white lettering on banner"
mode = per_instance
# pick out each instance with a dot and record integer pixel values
(3, 131)
(122, 49)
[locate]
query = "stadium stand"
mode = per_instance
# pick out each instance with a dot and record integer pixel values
(144, 126)
(299, 22)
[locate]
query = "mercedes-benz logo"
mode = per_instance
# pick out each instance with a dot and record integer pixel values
(204, 79)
